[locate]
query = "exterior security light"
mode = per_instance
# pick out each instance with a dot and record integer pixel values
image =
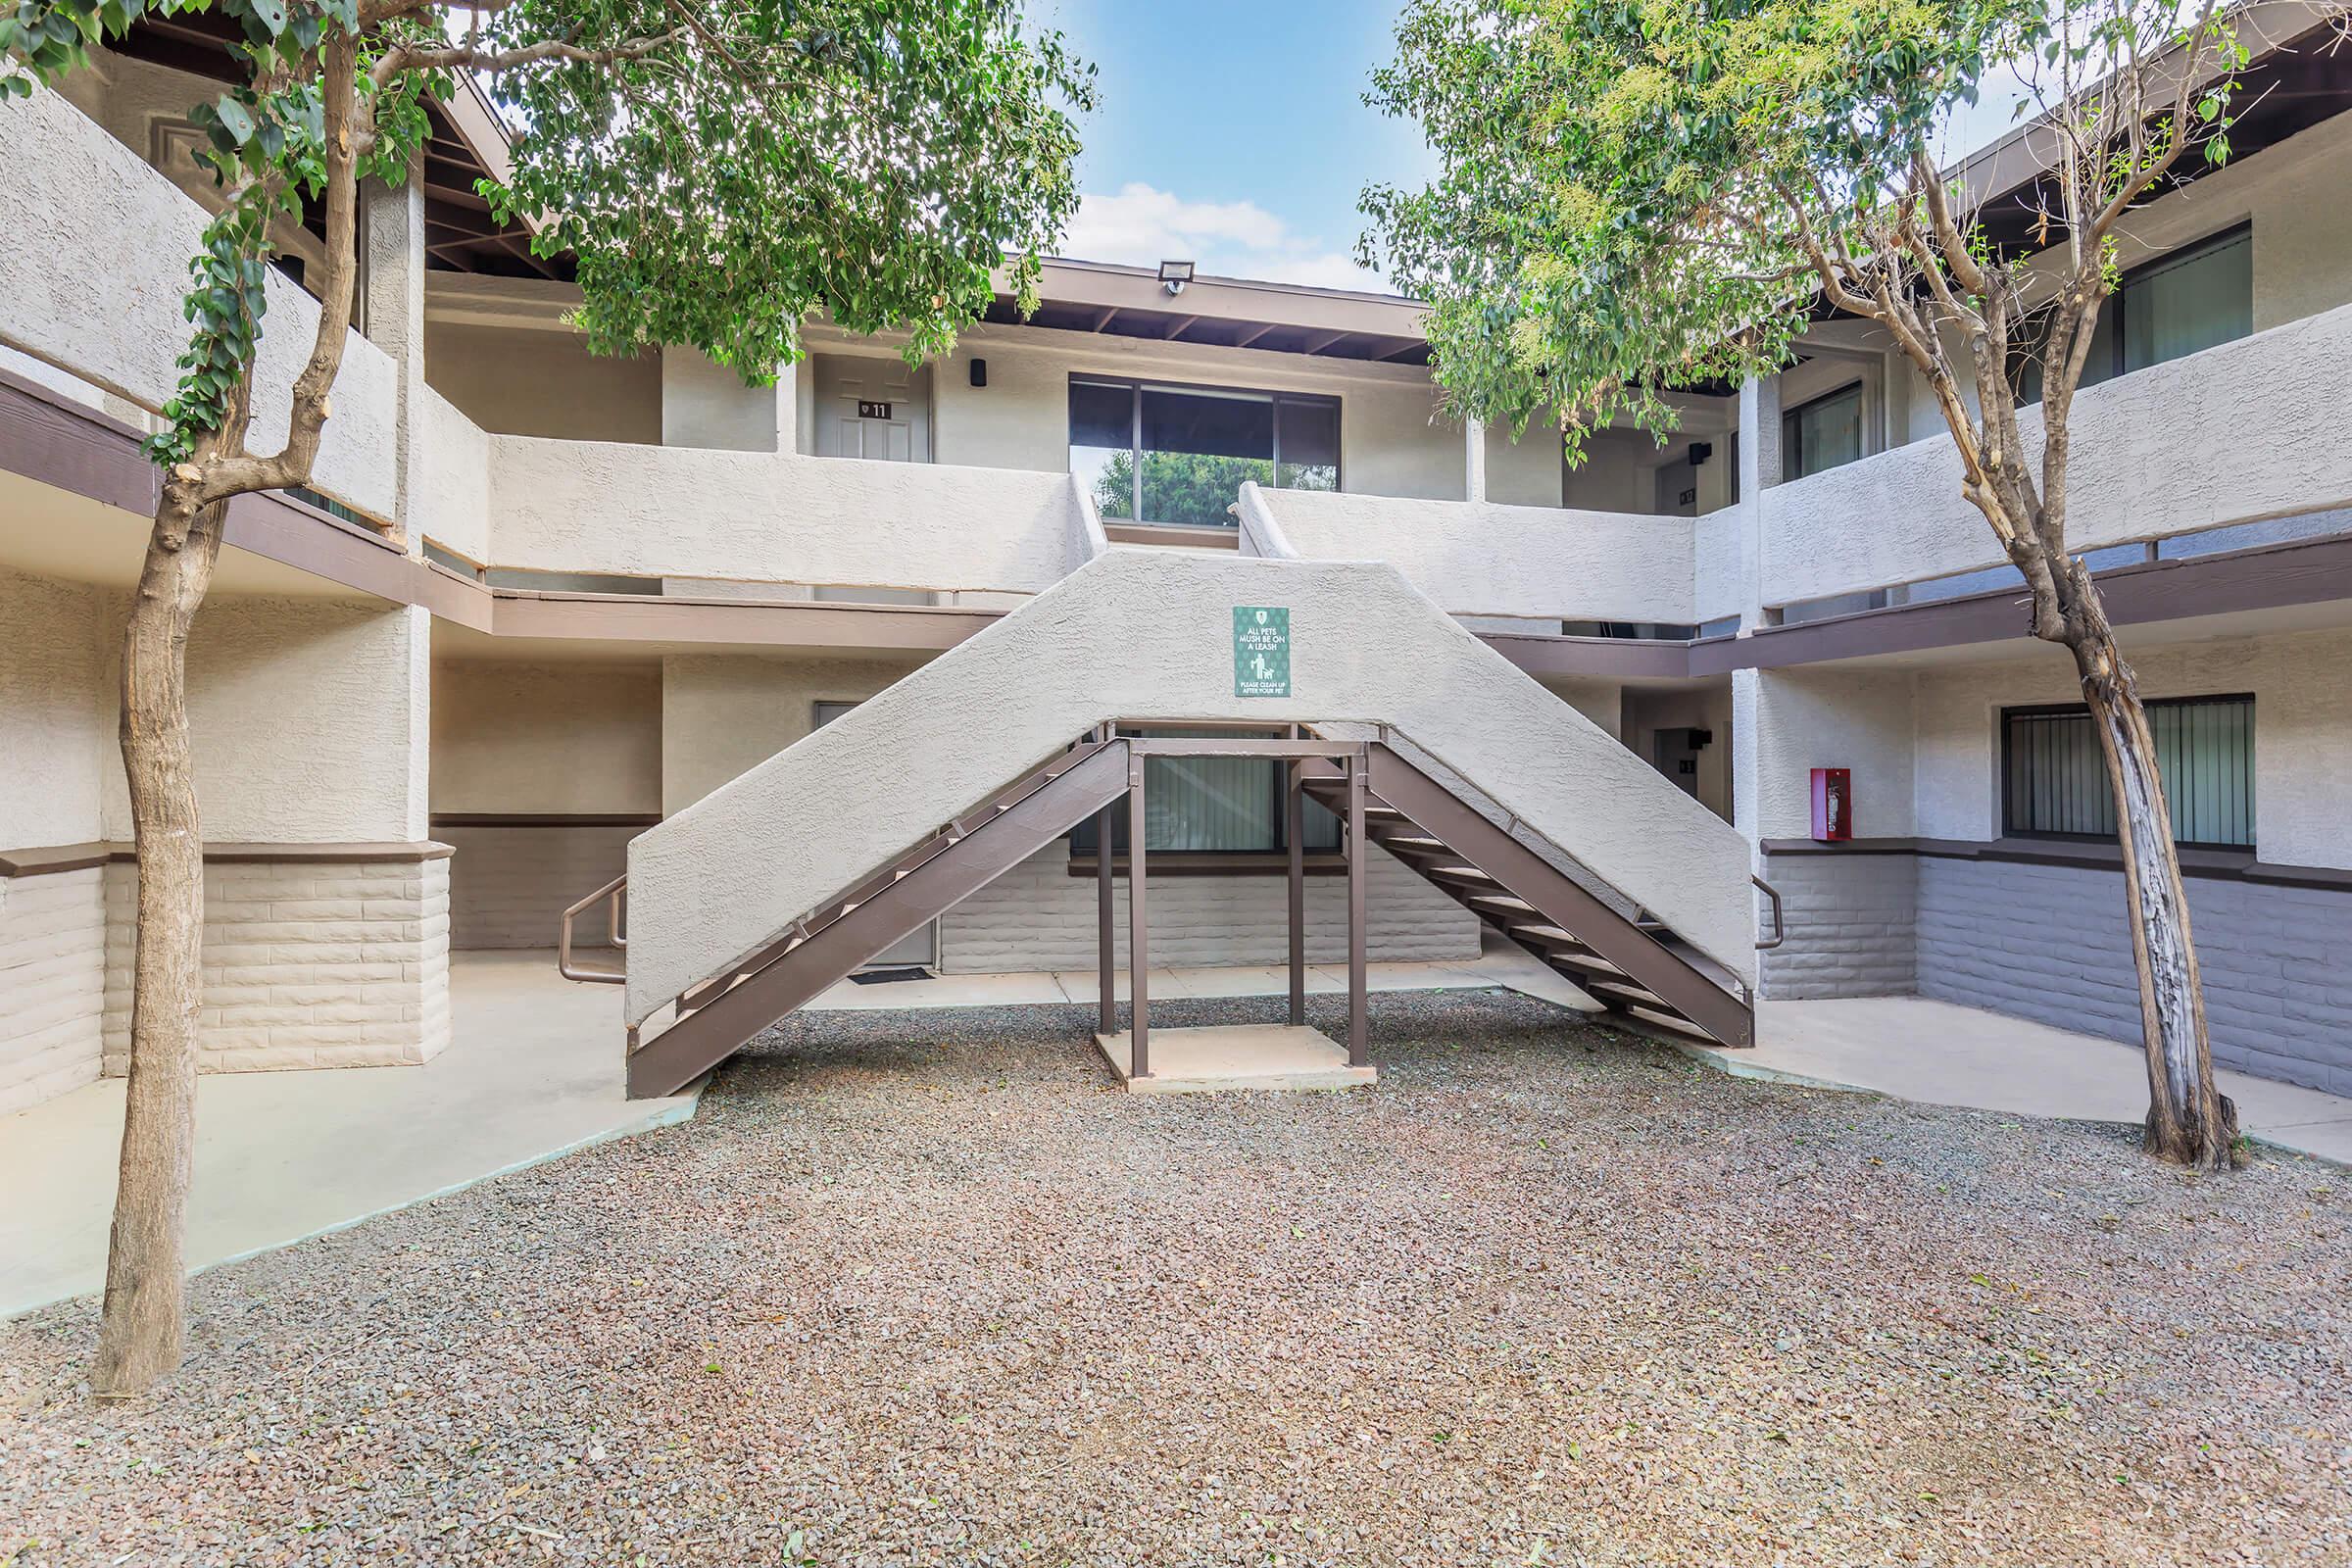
(1175, 274)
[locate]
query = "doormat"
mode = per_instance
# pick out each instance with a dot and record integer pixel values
(883, 977)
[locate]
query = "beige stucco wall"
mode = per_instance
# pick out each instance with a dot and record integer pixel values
(2302, 734)
(57, 707)
(566, 738)
(450, 503)
(70, 191)
(723, 714)
(1493, 559)
(663, 512)
(543, 382)
(309, 722)
(1786, 723)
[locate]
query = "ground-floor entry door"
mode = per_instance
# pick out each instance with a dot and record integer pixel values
(920, 947)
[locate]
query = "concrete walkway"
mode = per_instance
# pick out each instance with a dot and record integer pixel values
(1945, 1054)
(531, 1072)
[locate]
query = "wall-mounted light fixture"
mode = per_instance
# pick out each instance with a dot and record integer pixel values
(979, 372)
(1701, 451)
(1175, 274)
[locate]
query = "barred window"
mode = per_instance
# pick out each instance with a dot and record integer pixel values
(2054, 774)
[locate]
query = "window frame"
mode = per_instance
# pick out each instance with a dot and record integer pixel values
(1792, 429)
(2008, 800)
(1137, 385)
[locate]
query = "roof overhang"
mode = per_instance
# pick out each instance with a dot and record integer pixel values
(1132, 301)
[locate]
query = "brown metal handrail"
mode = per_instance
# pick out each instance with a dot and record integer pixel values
(1779, 923)
(618, 889)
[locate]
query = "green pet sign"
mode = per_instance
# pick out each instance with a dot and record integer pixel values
(1261, 651)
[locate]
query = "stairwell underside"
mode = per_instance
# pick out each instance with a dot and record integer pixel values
(1630, 965)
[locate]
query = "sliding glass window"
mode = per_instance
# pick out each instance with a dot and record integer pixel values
(2198, 297)
(1823, 434)
(1178, 456)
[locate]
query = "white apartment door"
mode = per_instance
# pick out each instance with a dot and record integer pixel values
(878, 410)
(920, 947)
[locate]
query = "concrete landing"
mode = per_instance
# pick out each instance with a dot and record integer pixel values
(1247, 1056)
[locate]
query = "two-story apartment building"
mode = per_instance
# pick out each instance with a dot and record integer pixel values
(541, 604)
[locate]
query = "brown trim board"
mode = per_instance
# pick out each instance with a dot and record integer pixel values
(56, 441)
(2222, 866)
(50, 859)
(443, 819)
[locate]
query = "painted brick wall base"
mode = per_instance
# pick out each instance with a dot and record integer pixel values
(1038, 917)
(2050, 942)
(306, 963)
(52, 985)
(509, 885)
(1852, 926)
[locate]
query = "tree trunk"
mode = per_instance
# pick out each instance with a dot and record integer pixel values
(140, 1336)
(2189, 1121)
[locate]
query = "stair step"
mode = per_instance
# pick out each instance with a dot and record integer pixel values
(1584, 964)
(1503, 901)
(1628, 992)
(1408, 844)
(1469, 875)
(1673, 1021)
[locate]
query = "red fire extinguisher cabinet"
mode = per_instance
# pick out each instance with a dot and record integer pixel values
(1833, 804)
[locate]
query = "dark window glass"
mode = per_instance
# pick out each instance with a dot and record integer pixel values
(1308, 434)
(1213, 805)
(1177, 455)
(1822, 434)
(1199, 447)
(2054, 773)
(1102, 445)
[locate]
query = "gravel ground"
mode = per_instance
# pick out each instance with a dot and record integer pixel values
(921, 1288)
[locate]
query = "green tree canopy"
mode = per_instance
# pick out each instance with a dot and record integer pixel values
(1639, 197)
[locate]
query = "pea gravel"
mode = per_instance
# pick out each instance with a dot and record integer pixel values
(923, 1289)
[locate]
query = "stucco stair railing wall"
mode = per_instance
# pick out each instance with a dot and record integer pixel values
(2246, 430)
(92, 274)
(1485, 558)
(1142, 635)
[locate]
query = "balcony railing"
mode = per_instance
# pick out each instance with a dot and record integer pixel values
(2248, 429)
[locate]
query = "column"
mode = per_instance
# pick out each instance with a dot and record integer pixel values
(1139, 940)
(1474, 460)
(1359, 1050)
(1760, 470)
(391, 316)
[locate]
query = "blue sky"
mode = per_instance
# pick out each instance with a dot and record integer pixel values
(1232, 133)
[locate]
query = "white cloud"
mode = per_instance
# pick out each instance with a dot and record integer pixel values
(1143, 226)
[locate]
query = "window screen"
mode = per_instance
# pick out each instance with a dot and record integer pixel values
(2054, 774)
